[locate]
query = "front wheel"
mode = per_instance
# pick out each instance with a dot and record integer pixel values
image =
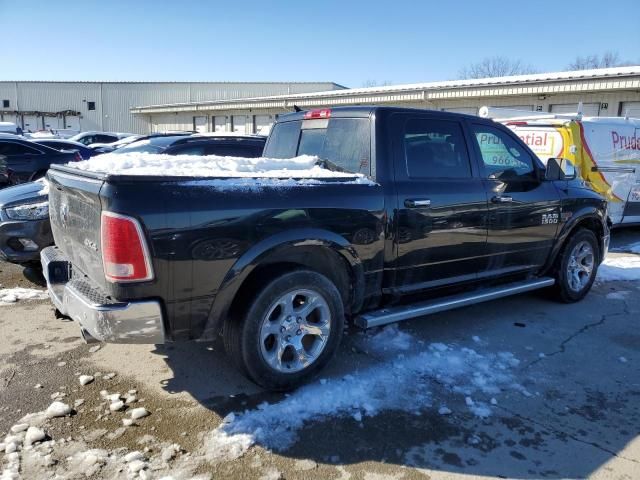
(289, 331)
(577, 265)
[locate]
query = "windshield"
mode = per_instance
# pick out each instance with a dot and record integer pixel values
(148, 145)
(344, 142)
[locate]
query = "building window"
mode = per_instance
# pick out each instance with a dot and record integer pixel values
(6, 103)
(91, 105)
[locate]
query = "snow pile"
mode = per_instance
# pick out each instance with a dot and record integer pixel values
(45, 186)
(620, 267)
(404, 382)
(212, 166)
(9, 296)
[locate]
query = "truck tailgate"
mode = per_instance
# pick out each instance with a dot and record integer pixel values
(75, 208)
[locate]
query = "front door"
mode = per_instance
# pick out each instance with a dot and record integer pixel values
(440, 226)
(524, 209)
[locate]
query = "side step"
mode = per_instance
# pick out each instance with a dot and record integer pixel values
(384, 316)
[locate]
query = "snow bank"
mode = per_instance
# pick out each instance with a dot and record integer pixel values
(404, 383)
(9, 296)
(620, 267)
(212, 166)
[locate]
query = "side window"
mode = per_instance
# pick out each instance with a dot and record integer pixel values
(187, 150)
(231, 151)
(435, 149)
(13, 148)
(502, 156)
(105, 139)
(88, 140)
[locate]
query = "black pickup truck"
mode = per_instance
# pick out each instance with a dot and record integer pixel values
(457, 211)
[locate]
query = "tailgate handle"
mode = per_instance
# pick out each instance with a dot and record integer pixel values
(501, 199)
(417, 202)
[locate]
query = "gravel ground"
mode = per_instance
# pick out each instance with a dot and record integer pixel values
(575, 412)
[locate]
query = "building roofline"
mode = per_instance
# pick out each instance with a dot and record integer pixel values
(413, 91)
(138, 82)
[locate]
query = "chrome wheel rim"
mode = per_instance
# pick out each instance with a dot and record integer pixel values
(580, 267)
(295, 330)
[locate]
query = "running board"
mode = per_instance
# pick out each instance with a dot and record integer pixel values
(384, 316)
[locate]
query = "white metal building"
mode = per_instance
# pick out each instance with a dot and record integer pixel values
(106, 105)
(603, 92)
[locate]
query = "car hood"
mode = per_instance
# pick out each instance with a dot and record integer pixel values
(24, 193)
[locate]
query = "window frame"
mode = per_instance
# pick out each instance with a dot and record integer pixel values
(30, 150)
(538, 167)
(435, 119)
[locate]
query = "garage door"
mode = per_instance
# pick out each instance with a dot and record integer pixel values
(515, 107)
(30, 123)
(200, 124)
(239, 123)
(72, 122)
(588, 109)
(52, 123)
(467, 110)
(220, 124)
(261, 121)
(632, 109)
(9, 117)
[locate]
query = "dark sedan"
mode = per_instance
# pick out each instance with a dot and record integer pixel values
(62, 144)
(24, 161)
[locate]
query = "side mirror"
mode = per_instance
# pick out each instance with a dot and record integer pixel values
(560, 169)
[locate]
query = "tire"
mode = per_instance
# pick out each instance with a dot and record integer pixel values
(568, 289)
(267, 340)
(38, 175)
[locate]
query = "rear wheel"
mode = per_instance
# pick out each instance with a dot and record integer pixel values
(288, 332)
(576, 266)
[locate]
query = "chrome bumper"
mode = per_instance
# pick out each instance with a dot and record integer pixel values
(120, 322)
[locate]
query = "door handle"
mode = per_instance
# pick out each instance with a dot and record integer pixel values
(501, 199)
(418, 202)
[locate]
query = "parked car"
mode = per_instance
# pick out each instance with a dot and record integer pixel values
(10, 127)
(87, 138)
(24, 222)
(110, 147)
(24, 213)
(453, 210)
(22, 160)
(62, 144)
(184, 144)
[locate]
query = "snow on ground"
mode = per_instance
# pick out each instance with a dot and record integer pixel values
(620, 267)
(304, 167)
(405, 377)
(9, 296)
(403, 380)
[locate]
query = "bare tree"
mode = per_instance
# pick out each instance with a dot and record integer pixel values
(607, 60)
(496, 67)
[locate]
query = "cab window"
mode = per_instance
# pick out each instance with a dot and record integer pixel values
(502, 156)
(435, 149)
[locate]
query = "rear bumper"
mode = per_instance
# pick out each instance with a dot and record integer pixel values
(98, 315)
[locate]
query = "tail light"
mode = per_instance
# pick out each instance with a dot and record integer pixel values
(78, 157)
(312, 114)
(125, 256)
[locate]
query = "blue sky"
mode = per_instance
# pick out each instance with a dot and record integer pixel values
(349, 42)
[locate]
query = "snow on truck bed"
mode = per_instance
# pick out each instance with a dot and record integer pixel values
(302, 169)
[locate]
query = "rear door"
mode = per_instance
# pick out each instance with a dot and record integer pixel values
(441, 223)
(524, 209)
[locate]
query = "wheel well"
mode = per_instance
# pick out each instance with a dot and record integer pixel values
(317, 258)
(592, 224)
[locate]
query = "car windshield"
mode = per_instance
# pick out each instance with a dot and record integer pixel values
(148, 145)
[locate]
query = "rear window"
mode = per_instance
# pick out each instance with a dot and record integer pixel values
(343, 141)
